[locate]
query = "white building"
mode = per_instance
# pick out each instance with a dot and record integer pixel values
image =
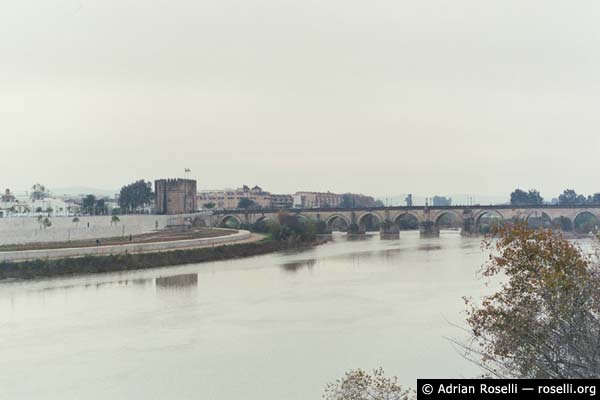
(23, 206)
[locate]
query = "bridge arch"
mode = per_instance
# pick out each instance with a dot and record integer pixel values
(364, 219)
(302, 218)
(407, 220)
(227, 220)
(586, 222)
(335, 219)
(263, 223)
(264, 218)
(438, 218)
(563, 223)
(490, 213)
(538, 219)
(486, 220)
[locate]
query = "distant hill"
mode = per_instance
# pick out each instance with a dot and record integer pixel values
(83, 190)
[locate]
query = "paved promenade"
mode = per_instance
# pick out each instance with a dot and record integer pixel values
(240, 237)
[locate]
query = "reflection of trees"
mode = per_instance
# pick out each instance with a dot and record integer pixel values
(177, 281)
(297, 265)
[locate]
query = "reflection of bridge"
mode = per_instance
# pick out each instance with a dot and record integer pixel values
(429, 219)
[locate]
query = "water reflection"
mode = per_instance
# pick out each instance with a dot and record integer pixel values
(294, 266)
(367, 303)
(176, 282)
(96, 285)
(429, 247)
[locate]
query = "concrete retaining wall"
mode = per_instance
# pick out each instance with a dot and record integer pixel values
(122, 249)
(20, 230)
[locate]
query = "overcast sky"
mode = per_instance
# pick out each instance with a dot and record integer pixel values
(381, 97)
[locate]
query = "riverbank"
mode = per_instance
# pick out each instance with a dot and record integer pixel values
(163, 235)
(44, 268)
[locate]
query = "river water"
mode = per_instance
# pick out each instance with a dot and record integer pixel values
(278, 326)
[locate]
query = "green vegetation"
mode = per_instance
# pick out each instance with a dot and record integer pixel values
(408, 222)
(44, 222)
(135, 196)
(568, 197)
(520, 197)
(562, 223)
(245, 203)
(92, 206)
(289, 228)
(347, 201)
(47, 223)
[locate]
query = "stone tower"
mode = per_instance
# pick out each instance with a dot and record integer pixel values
(175, 196)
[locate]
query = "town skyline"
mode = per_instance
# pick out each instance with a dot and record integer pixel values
(395, 198)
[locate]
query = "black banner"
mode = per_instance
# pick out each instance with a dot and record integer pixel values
(507, 389)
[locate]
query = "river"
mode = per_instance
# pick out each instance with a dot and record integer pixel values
(272, 327)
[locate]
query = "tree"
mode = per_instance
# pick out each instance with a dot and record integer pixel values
(292, 228)
(544, 322)
(347, 201)
(136, 195)
(520, 197)
(89, 203)
(100, 208)
(39, 192)
(49, 210)
(75, 220)
(360, 385)
(209, 206)
(321, 227)
(535, 198)
(570, 197)
(594, 199)
(46, 223)
(114, 220)
(245, 203)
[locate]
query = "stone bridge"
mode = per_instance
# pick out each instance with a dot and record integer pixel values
(429, 219)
